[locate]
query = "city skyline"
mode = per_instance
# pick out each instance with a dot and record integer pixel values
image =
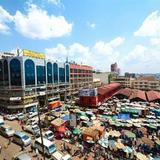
(96, 33)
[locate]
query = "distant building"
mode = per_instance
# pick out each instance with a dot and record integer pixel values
(126, 82)
(102, 76)
(141, 83)
(114, 67)
(132, 75)
(146, 83)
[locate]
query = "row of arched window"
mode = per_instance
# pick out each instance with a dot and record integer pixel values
(54, 73)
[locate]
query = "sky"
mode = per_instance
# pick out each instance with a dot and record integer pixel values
(91, 32)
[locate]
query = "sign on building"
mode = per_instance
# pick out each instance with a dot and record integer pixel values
(88, 92)
(33, 54)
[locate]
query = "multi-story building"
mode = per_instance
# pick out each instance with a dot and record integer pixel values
(126, 82)
(81, 76)
(28, 80)
(114, 68)
(141, 83)
(146, 83)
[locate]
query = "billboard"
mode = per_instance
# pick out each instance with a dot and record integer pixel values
(88, 92)
(33, 54)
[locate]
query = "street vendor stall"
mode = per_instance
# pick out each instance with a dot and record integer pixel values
(59, 125)
(90, 134)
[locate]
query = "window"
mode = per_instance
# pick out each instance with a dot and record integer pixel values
(6, 81)
(1, 73)
(29, 72)
(15, 72)
(55, 72)
(41, 74)
(49, 72)
(61, 75)
(67, 73)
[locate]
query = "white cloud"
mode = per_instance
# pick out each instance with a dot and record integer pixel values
(5, 18)
(55, 2)
(91, 25)
(100, 55)
(151, 26)
(155, 41)
(37, 24)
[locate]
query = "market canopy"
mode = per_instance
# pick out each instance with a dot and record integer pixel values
(77, 131)
(127, 149)
(147, 141)
(114, 133)
(120, 145)
(112, 144)
(129, 134)
(141, 156)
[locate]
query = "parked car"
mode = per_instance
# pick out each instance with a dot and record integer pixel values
(34, 129)
(6, 131)
(22, 156)
(60, 156)
(49, 135)
(1, 121)
(49, 147)
(21, 138)
(20, 116)
(32, 114)
(10, 117)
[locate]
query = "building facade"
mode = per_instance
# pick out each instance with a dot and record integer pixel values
(146, 84)
(126, 82)
(81, 76)
(28, 80)
(25, 81)
(142, 83)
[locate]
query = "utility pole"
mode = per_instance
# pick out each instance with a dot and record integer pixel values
(39, 122)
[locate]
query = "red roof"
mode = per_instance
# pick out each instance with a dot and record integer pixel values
(153, 95)
(108, 88)
(82, 67)
(138, 94)
(126, 92)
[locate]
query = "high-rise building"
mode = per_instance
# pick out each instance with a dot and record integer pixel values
(114, 67)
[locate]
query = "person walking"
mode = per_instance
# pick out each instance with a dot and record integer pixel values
(9, 141)
(22, 148)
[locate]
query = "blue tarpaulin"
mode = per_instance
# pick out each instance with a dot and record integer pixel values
(66, 117)
(124, 116)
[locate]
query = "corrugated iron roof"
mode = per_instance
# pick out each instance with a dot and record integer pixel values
(126, 92)
(108, 88)
(153, 95)
(138, 94)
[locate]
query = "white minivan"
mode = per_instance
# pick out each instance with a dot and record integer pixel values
(49, 147)
(21, 138)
